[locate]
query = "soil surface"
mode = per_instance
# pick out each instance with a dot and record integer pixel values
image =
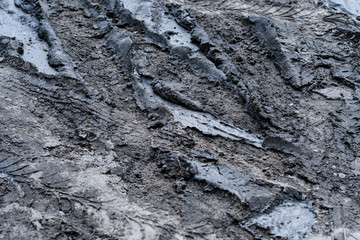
(179, 119)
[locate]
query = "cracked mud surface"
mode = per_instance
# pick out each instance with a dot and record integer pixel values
(178, 119)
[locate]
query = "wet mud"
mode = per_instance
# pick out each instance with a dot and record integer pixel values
(179, 120)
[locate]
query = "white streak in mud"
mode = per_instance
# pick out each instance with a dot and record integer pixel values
(155, 19)
(14, 23)
(210, 125)
(289, 220)
(4, 175)
(236, 183)
(204, 122)
(350, 7)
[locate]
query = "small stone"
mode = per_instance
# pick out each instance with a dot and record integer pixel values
(342, 176)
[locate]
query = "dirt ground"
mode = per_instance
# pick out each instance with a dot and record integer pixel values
(178, 119)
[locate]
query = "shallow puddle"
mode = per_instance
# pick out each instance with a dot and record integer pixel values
(289, 220)
(350, 7)
(239, 184)
(16, 24)
(153, 14)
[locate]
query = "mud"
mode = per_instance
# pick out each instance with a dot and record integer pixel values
(20, 26)
(349, 7)
(291, 220)
(179, 120)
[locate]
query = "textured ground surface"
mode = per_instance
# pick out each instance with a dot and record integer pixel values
(178, 119)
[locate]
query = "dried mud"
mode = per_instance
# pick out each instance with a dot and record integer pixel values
(179, 119)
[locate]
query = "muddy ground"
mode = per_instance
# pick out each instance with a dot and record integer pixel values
(178, 119)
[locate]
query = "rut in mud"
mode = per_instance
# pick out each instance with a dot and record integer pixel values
(179, 119)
